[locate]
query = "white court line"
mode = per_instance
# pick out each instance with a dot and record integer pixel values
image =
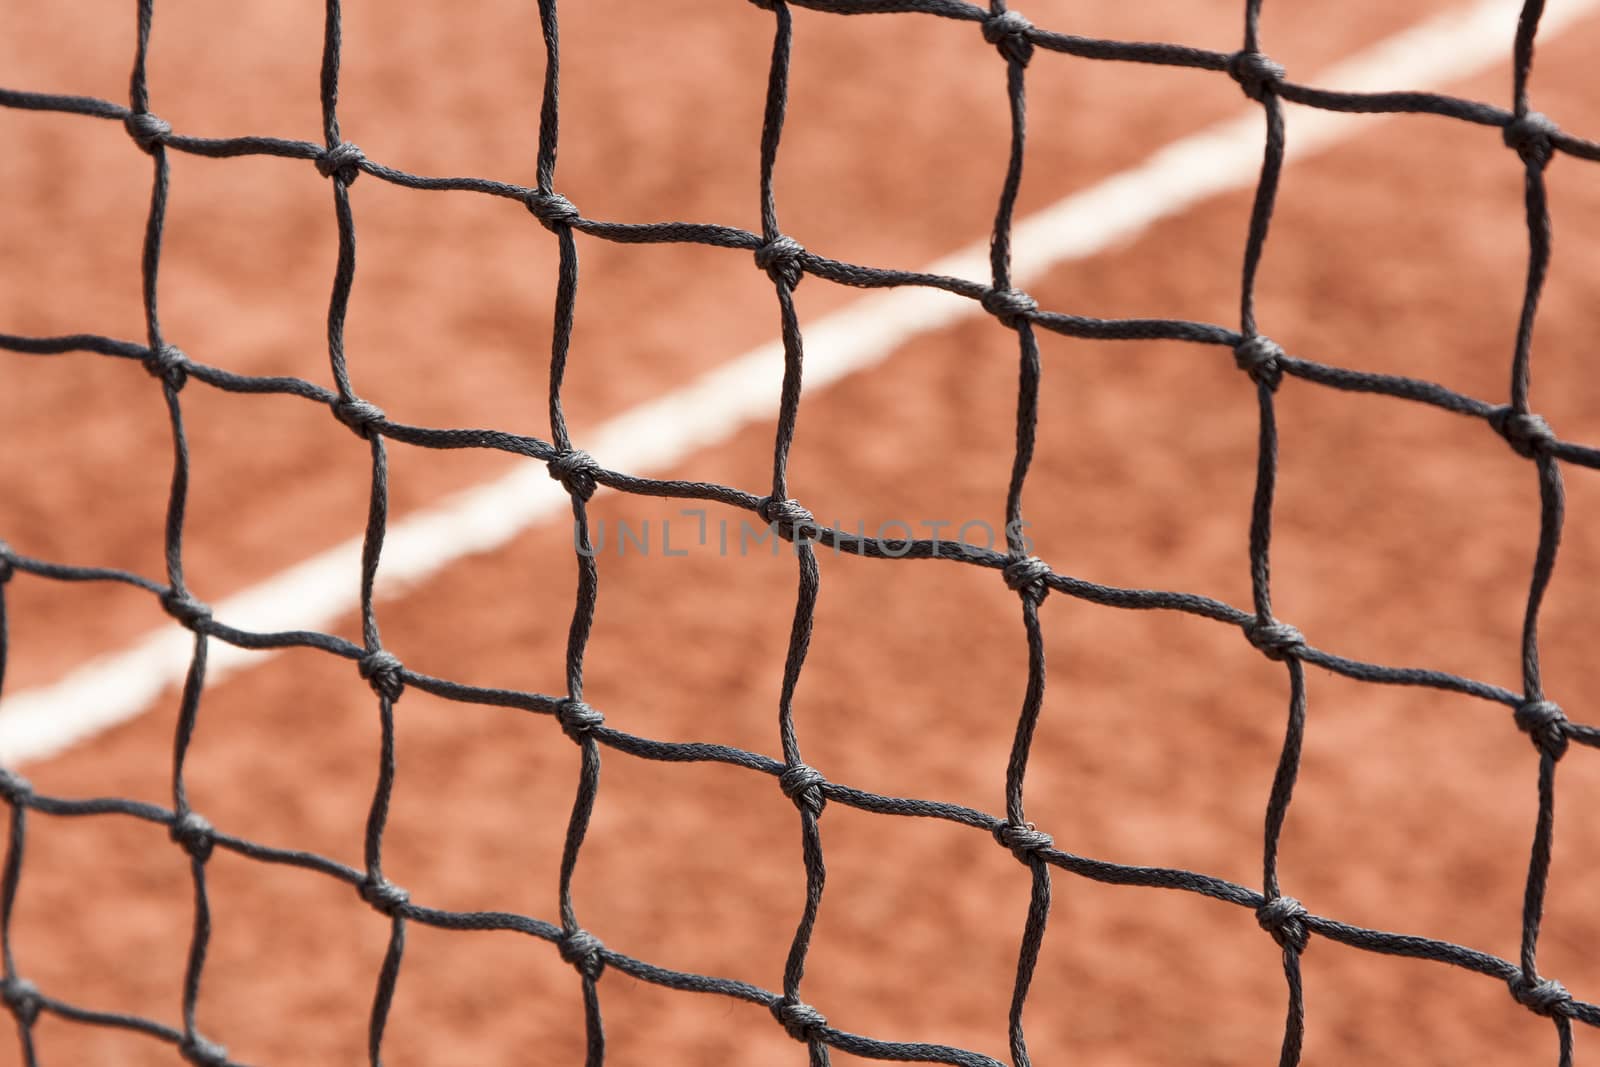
(652, 437)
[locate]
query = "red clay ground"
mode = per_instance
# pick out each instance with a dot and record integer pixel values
(1403, 536)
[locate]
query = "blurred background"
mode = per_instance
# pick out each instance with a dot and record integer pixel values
(1404, 535)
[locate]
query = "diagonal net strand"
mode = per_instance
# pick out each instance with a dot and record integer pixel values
(1536, 140)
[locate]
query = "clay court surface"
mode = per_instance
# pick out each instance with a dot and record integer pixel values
(1404, 535)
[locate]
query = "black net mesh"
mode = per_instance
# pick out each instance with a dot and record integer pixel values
(1535, 138)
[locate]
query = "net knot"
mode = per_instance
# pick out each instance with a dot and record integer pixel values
(1285, 919)
(169, 364)
(1008, 31)
(1532, 134)
(147, 130)
(7, 568)
(584, 951)
(782, 258)
(1527, 434)
(1011, 306)
(186, 609)
(203, 1053)
(1546, 724)
(1260, 357)
(551, 209)
(1276, 640)
(383, 894)
(362, 416)
(1256, 73)
(14, 788)
(1023, 839)
(801, 1020)
(343, 161)
(384, 672)
(575, 469)
(195, 834)
(1028, 576)
(1543, 996)
(577, 718)
(789, 518)
(22, 997)
(803, 785)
